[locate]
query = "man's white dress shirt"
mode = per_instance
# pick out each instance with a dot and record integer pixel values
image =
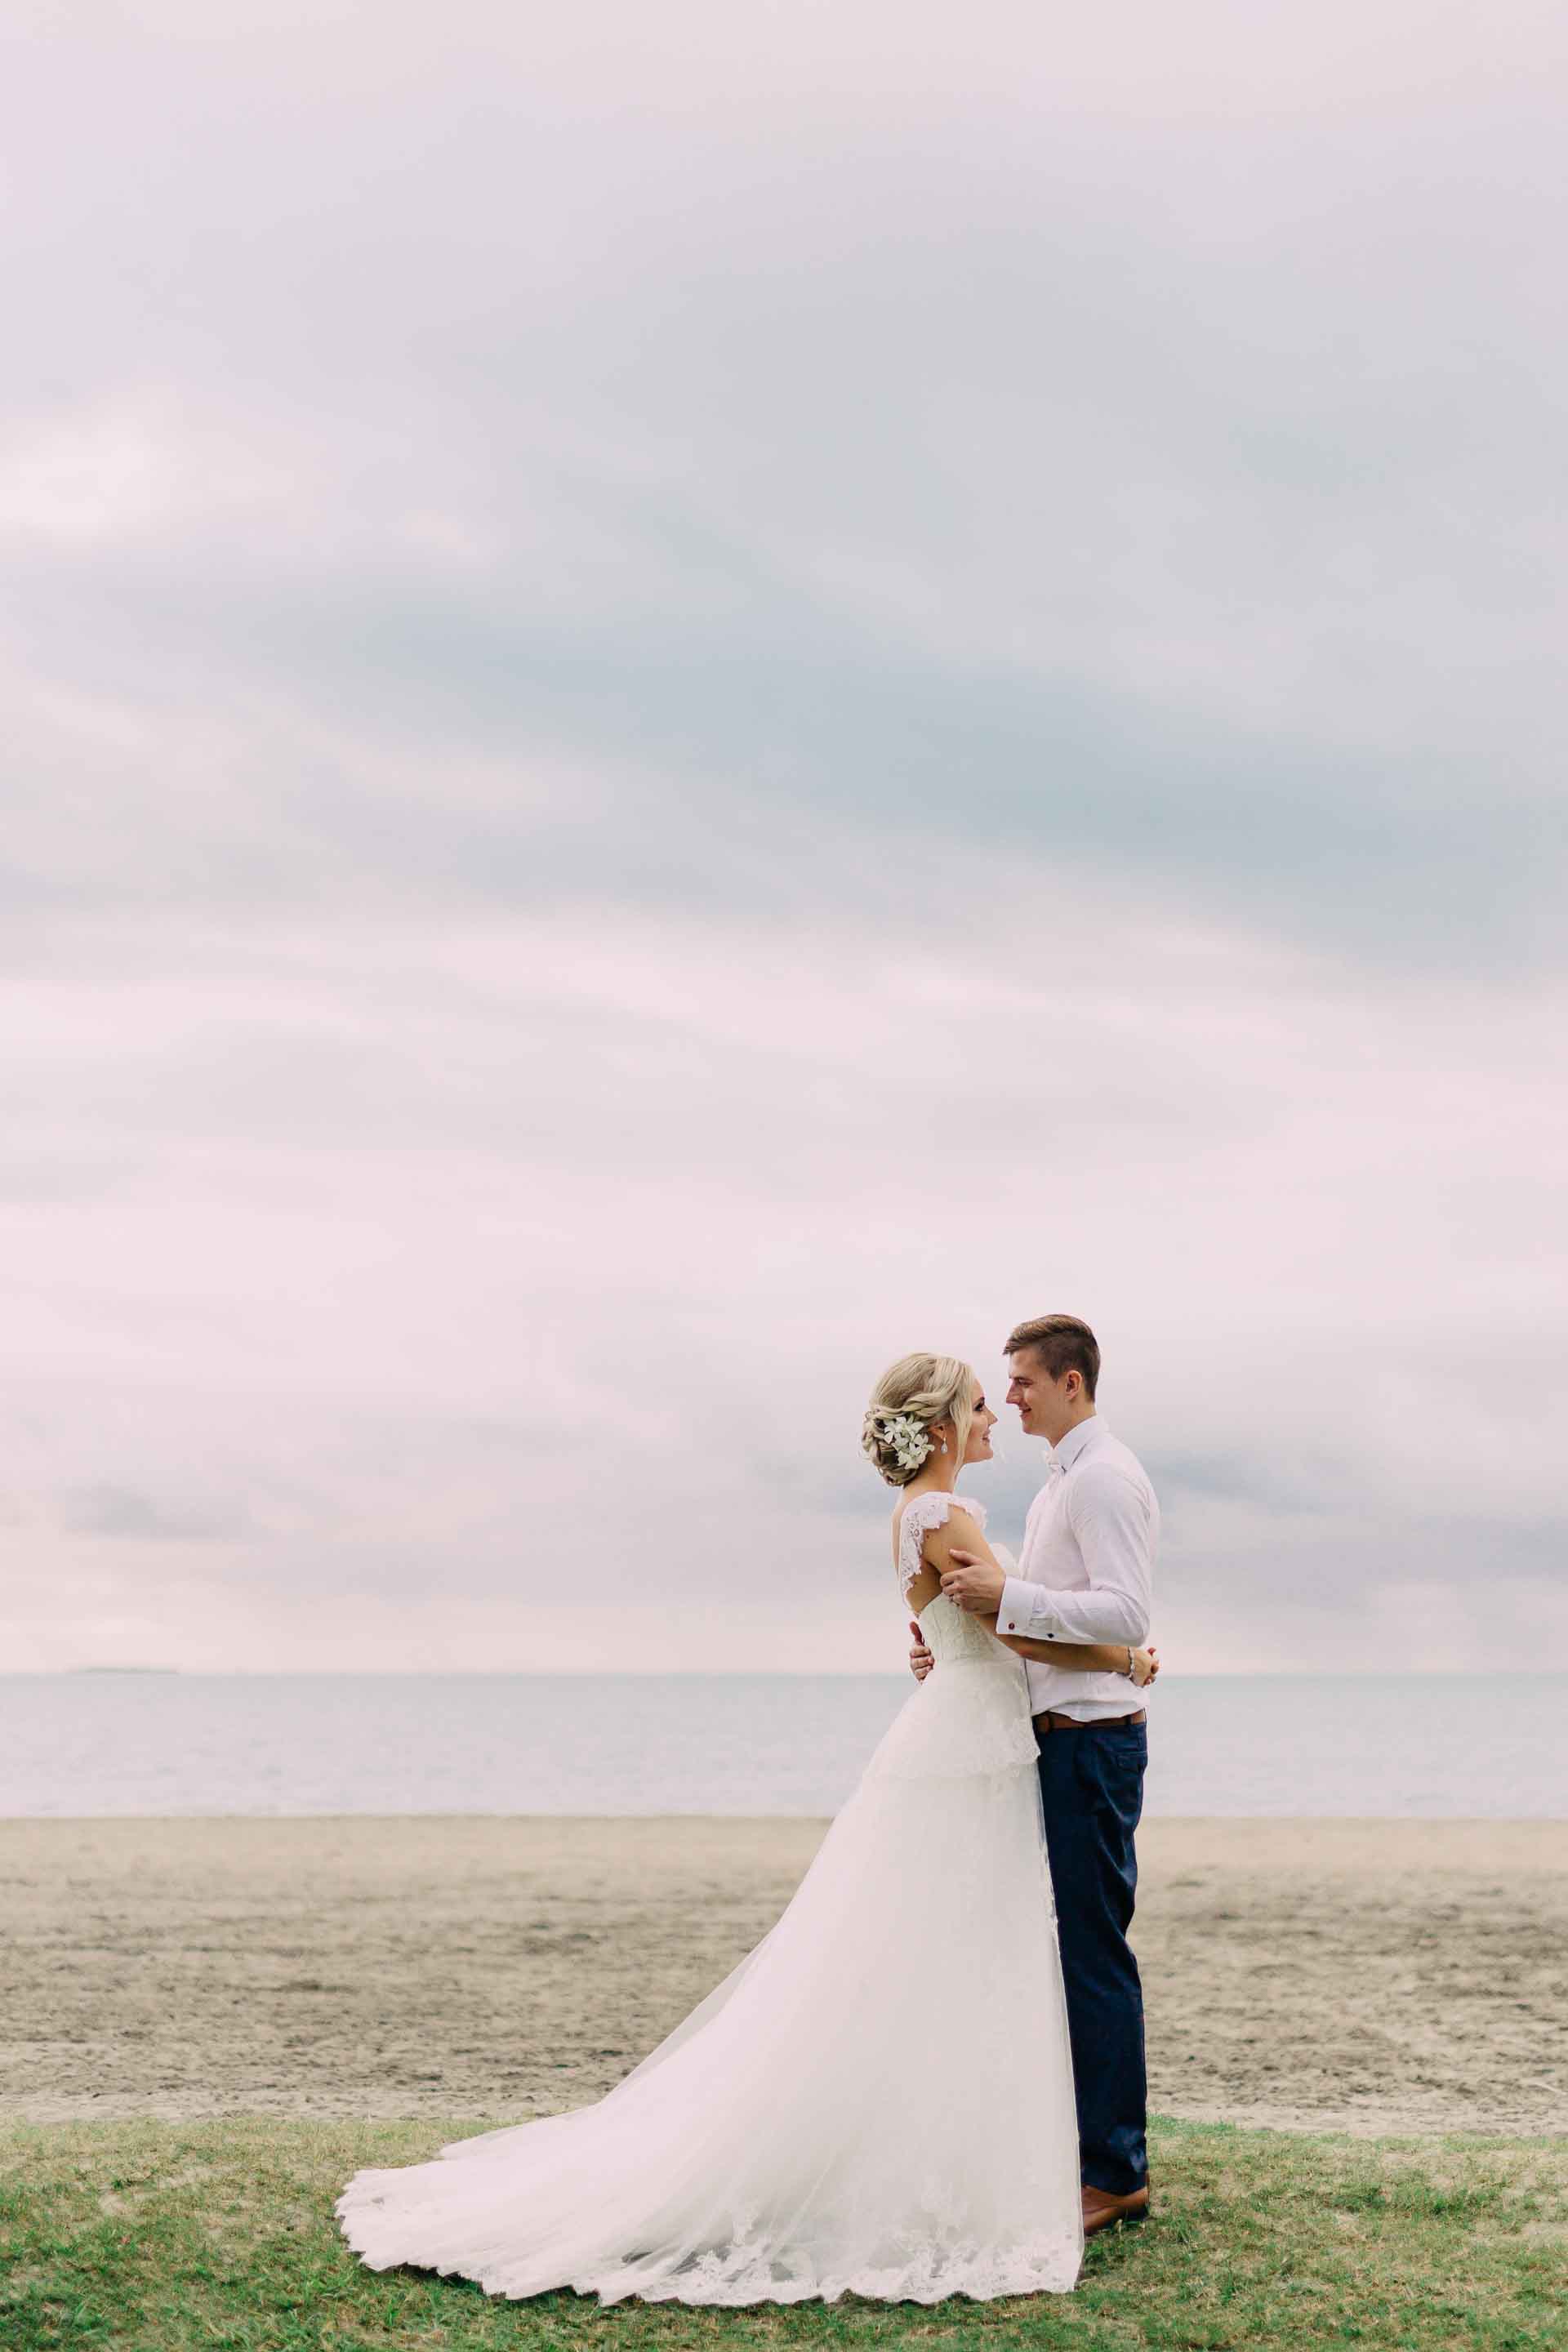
(1085, 1570)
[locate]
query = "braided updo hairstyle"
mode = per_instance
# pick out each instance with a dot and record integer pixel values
(923, 1389)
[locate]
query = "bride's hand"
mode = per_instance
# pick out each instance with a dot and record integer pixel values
(1145, 1666)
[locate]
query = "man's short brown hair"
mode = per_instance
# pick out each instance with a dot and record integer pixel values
(1063, 1345)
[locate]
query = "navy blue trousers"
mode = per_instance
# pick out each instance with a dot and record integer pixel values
(1092, 1785)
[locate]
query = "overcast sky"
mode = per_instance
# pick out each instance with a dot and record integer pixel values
(696, 694)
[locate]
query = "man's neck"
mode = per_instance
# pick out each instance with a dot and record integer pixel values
(1062, 1434)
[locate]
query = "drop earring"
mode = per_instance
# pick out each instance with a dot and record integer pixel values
(945, 1445)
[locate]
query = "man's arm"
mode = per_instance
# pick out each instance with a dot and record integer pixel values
(1112, 1518)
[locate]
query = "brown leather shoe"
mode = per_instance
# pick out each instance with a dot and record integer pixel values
(1100, 2209)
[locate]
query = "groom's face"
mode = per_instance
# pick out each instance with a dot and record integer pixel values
(1044, 1406)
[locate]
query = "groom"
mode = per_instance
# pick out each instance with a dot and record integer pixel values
(1083, 1576)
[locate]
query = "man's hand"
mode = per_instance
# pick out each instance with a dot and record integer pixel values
(920, 1659)
(972, 1585)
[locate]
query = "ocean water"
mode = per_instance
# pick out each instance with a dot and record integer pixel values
(1417, 1746)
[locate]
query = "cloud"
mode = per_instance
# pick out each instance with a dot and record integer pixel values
(1116, 455)
(468, 1264)
(695, 706)
(120, 1513)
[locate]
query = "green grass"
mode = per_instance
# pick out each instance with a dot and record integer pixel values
(168, 2236)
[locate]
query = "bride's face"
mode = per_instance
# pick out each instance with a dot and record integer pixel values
(980, 1428)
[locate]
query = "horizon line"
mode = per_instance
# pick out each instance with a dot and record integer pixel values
(716, 1674)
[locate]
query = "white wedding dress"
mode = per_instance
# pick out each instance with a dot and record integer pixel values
(878, 2100)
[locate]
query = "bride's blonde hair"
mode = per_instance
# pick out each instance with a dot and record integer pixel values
(921, 1388)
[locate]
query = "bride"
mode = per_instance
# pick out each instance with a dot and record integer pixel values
(878, 2100)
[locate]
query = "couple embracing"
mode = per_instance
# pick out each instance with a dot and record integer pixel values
(927, 2080)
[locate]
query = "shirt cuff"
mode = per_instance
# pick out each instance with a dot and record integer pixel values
(1017, 1615)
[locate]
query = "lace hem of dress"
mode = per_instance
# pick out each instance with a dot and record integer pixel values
(1049, 2267)
(746, 2272)
(927, 1511)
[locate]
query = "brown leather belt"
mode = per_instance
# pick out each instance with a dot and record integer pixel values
(1052, 1722)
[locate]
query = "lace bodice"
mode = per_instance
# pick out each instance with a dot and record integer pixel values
(950, 1632)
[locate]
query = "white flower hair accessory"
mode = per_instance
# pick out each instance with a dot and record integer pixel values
(907, 1439)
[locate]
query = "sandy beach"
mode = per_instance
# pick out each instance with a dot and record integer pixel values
(1369, 1976)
